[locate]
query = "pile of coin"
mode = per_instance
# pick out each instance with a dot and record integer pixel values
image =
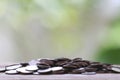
(60, 66)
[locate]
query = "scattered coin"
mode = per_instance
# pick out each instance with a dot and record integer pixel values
(116, 69)
(118, 66)
(44, 71)
(32, 68)
(59, 72)
(11, 72)
(12, 67)
(24, 64)
(23, 70)
(43, 66)
(2, 69)
(70, 66)
(78, 71)
(62, 59)
(60, 66)
(47, 61)
(56, 68)
(77, 59)
(90, 69)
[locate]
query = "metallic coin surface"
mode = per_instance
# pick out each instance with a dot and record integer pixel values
(56, 68)
(11, 72)
(32, 68)
(23, 70)
(2, 69)
(116, 69)
(45, 70)
(12, 67)
(118, 66)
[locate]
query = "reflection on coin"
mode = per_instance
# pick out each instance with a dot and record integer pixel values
(56, 68)
(118, 66)
(2, 69)
(12, 67)
(23, 70)
(11, 72)
(32, 68)
(115, 69)
(45, 70)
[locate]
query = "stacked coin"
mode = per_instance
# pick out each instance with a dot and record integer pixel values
(60, 66)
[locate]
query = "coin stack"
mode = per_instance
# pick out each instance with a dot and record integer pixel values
(60, 66)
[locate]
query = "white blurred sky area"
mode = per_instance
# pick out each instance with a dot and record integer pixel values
(31, 29)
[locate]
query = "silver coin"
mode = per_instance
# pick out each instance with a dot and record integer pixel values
(23, 70)
(12, 67)
(118, 66)
(24, 64)
(45, 70)
(11, 72)
(2, 69)
(89, 73)
(81, 69)
(116, 69)
(32, 68)
(44, 58)
(56, 68)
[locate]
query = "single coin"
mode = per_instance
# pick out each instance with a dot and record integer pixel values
(24, 64)
(70, 66)
(56, 68)
(77, 59)
(11, 72)
(78, 71)
(58, 72)
(45, 71)
(61, 63)
(47, 61)
(23, 70)
(116, 69)
(44, 58)
(62, 59)
(32, 68)
(90, 69)
(43, 66)
(2, 69)
(118, 66)
(12, 67)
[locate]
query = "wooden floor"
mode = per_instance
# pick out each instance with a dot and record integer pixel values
(61, 77)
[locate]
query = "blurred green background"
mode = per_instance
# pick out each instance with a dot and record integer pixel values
(31, 29)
